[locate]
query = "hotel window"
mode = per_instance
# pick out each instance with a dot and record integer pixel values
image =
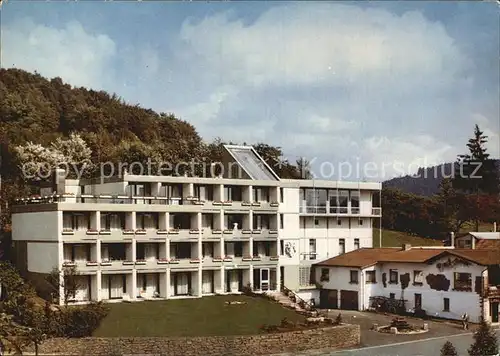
(305, 276)
(282, 222)
(312, 249)
(354, 277)
(360, 222)
(446, 304)
(341, 246)
(354, 195)
(325, 275)
(393, 276)
(281, 195)
(418, 278)
(316, 222)
(392, 296)
(371, 277)
(282, 247)
(356, 244)
(339, 222)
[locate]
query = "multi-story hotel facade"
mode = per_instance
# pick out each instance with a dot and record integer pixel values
(145, 237)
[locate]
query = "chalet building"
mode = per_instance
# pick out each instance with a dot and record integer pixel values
(479, 240)
(443, 282)
(135, 237)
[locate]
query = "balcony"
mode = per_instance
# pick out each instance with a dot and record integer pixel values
(183, 234)
(107, 264)
(265, 206)
(260, 234)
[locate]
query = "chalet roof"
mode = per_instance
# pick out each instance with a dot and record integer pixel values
(486, 235)
(366, 257)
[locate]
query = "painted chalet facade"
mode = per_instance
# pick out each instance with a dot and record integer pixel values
(443, 282)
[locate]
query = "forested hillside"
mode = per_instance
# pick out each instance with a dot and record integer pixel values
(426, 181)
(33, 108)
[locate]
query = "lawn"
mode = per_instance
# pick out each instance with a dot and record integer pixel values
(193, 317)
(396, 239)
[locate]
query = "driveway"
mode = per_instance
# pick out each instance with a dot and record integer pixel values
(380, 344)
(372, 338)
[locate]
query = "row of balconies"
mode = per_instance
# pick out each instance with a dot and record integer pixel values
(83, 265)
(152, 254)
(118, 199)
(175, 234)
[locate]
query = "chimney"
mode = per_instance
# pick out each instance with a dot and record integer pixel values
(452, 239)
(406, 247)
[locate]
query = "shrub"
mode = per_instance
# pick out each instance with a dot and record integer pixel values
(448, 349)
(77, 321)
(247, 290)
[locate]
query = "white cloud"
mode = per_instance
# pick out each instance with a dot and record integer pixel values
(79, 57)
(324, 43)
(404, 155)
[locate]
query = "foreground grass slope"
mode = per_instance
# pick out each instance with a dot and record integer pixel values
(193, 317)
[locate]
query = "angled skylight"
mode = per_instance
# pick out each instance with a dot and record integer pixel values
(251, 163)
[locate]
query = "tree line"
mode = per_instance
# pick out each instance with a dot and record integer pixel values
(471, 194)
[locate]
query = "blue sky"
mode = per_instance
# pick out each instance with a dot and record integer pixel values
(398, 84)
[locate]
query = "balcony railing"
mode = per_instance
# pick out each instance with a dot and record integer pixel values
(335, 210)
(103, 199)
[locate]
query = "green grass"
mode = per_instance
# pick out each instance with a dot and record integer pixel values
(471, 227)
(396, 239)
(193, 317)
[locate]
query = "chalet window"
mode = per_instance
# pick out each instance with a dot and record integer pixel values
(462, 281)
(393, 276)
(418, 278)
(325, 275)
(354, 277)
(371, 277)
(392, 296)
(446, 304)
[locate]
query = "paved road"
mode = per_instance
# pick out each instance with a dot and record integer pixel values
(423, 347)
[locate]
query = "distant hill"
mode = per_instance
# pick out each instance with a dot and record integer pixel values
(426, 181)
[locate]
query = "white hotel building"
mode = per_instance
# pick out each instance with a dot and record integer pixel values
(143, 237)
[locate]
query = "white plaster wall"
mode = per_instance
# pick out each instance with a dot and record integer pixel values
(107, 188)
(42, 226)
(365, 202)
(43, 257)
(432, 300)
(291, 203)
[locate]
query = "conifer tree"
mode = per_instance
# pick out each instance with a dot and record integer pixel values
(485, 341)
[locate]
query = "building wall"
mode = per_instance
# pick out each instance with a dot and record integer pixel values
(43, 256)
(42, 226)
(432, 300)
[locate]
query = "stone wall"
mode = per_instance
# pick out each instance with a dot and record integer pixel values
(263, 344)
